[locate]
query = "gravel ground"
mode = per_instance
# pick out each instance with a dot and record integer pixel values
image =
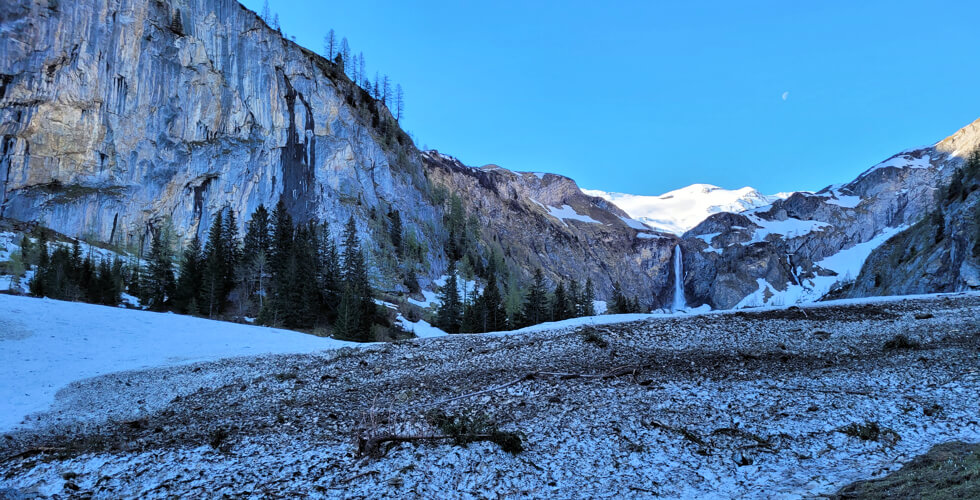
(744, 404)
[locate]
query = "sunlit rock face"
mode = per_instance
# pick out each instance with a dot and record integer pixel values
(118, 115)
(799, 248)
(545, 221)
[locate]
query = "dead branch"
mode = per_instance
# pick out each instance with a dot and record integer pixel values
(824, 391)
(365, 473)
(689, 435)
(34, 451)
(615, 372)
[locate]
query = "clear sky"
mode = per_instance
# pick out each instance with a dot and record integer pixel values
(644, 97)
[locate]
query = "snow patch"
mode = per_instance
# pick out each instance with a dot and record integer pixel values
(680, 210)
(55, 343)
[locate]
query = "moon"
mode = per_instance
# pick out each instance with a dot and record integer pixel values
(785, 95)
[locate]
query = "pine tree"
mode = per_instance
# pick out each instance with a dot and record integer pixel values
(345, 54)
(232, 249)
(399, 102)
(255, 254)
(38, 282)
(348, 325)
(536, 304)
(160, 275)
(189, 277)
(329, 44)
(574, 299)
(361, 67)
(588, 298)
(265, 11)
(213, 282)
(494, 317)
(280, 253)
(396, 230)
(356, 280)
(449, 315)
(275, 21)
(620, 304)
(329, 276)
(108, 286)
(559, 303)
(385, 90)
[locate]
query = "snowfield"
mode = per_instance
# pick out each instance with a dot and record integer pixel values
(47, 344)
(681, 209)
(748, 404)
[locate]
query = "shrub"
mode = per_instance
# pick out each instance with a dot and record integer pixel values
(470, 428)
(901, 341)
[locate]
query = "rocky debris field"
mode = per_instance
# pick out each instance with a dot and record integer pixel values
(784, 403)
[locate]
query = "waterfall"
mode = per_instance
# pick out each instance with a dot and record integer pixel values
(679, 302)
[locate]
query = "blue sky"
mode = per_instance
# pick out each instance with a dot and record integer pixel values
(645, 97)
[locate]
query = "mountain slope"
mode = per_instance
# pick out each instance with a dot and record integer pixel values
(120, 119)
(940, 253)
(680, 210)
(799, 248)
(545, 221)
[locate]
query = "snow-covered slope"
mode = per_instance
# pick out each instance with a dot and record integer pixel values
(681, 209)
(47, 344)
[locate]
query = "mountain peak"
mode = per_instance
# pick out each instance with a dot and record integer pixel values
(963, 141)
(679, 210)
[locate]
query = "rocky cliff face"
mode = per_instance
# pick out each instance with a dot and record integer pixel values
(544, 221)
(940, 253)
(797, 249)
(120, 116)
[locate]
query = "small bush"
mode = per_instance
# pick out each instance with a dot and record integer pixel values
(901, 341)
(591, 335)
(284, 376)
(869, 431)
(217, 437)
(468, 428)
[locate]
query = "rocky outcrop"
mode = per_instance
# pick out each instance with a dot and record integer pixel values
(118, 117)
(940, 253)
(788, 250)
(544, 221)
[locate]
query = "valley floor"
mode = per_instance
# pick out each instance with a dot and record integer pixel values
(742, 404)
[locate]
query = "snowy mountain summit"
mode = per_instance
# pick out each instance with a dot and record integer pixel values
(681, 209)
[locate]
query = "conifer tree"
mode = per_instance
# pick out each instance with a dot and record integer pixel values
(536, 304)
(37, 284)
(232, 249)
(190, 278)
(159, 284)
(345, 54)
(215, 267)
(356, 280)
(280, 254)
(494, 315)
(574, 299)
(329, 275)
(396, 230)
(329, 44)
(255, 254)
(450, 312)
(399, 102)
(620, 304)
(559, 303)
(588, 298)
(348, 325)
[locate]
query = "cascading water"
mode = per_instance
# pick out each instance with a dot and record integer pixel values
(679, 301)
